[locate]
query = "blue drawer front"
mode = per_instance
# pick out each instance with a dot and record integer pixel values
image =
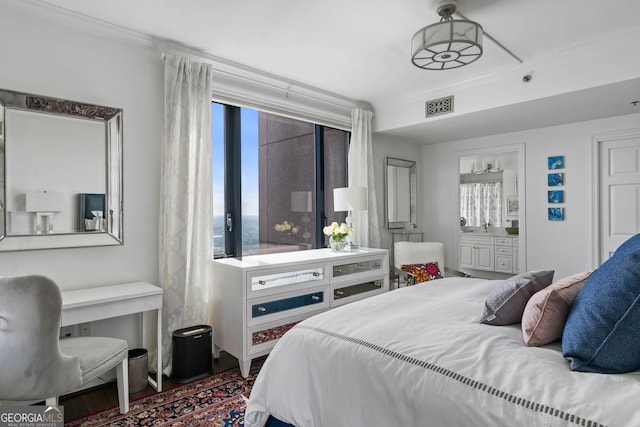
(286, 304)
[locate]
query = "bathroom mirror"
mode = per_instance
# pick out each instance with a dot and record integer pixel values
(400, 192)
(60, 173)
(487, 183)
(491, 238)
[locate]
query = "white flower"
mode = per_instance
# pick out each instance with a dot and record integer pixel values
(337, 231)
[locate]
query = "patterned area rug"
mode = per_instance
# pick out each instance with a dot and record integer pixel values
(217, 400)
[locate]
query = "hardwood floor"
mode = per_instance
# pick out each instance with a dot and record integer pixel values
(105, 396)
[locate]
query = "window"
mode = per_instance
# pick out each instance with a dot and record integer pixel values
(273, 180)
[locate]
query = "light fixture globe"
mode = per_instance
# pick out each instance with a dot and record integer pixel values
(450, 43)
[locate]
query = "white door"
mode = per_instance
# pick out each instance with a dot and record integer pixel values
(619, 192)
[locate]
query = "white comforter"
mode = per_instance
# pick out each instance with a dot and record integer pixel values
(418, 357)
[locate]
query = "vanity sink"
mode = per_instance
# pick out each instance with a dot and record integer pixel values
(491, 233)
(480, 232)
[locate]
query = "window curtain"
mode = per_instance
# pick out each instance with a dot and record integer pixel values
(361, 174)
(481, 203)
(186, 224)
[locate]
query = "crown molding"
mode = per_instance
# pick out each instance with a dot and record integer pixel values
(78, 21)
(233, 82)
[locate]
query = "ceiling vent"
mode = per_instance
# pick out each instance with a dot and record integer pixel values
(436, 107)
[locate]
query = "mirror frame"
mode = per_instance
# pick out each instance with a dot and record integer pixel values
(413, 188)
(112, 119)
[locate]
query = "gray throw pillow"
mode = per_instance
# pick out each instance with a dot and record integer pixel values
(506, 302)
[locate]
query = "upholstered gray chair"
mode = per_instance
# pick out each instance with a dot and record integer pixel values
(35, 364)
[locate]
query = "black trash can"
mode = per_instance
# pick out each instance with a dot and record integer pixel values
(191, 353)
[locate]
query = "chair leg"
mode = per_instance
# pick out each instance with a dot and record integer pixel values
(122, 375)
(52, 401)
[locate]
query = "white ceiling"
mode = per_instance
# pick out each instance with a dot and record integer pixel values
(360, 48)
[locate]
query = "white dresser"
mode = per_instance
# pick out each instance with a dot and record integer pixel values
(258, 298)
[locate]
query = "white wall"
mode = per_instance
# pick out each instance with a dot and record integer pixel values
(580, 68)
(46, 58)
(383, 147)
(564, 246)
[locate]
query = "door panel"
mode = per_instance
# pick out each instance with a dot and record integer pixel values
(466, 256)
(619, 193)
(486, 258)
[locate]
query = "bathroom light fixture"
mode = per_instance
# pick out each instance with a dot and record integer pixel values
(448, 44)
(486, 166)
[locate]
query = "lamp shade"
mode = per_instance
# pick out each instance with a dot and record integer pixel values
(349, 199)
(44, 202)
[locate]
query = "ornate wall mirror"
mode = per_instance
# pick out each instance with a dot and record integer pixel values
(60, 173)
(400, 191)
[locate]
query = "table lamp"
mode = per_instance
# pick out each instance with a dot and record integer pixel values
(350, 199)
(44, 205)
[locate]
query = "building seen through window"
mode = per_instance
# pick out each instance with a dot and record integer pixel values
(285, 175)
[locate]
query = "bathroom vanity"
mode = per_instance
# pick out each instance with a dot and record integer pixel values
(495, 252)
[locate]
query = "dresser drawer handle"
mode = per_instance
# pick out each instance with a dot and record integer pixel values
(376, 265)
(337, 270)
(378, 283)
(316, 274)
(261, 309)
(315, 297)
(339, 293)
(262, 282)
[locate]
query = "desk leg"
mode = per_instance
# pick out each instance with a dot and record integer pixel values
(159, 349)
(159, 358)
(157, 383)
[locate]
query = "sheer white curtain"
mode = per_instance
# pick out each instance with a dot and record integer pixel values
(481, 203)
(366, 225)
(186, 224)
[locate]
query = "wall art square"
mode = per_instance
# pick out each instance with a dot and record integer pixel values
(512, 205)
(555, 196)
(555, 179)
(556, 214)
(556, 162)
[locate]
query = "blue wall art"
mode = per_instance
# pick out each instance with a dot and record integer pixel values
(555, 179)
(555, 196)
(556, 214)
(556, 162)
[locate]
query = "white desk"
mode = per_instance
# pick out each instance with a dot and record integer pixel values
(105, 302)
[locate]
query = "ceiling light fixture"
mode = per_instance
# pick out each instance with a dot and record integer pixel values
(450, 43)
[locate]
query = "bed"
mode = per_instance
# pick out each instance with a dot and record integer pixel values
(417, 356)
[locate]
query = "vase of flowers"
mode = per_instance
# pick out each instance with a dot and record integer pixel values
(338, 234)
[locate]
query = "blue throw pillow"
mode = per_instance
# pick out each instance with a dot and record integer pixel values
(602, 332)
